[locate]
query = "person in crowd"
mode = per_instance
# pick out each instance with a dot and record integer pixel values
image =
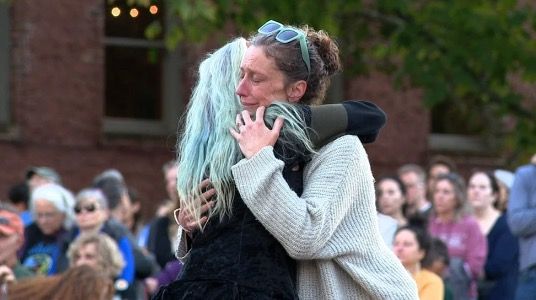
(388, 227)
(522, 220)
(267, 75)
(133, 221)
(505, 179)
(466, 244)
(163, 230)
(37, 176)
(99, 251)
(503, 251)
(19, 197)
(411, 246)
(414, 179)
(11, 240)
(166, 276)
(438, 165)
(81, 283)
(52, 209)
(112, 183)
(391, 199)
(92, 216)
(437, 260)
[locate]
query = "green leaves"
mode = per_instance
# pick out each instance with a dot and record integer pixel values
(461, 53)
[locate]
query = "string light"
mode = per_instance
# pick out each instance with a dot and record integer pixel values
(116, 12)
(134, 12)
(153, 9)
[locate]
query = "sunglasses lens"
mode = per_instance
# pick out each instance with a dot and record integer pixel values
(269, 27)
(286, 35)
(91, 208)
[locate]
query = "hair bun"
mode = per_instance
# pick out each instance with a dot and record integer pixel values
(326, 48)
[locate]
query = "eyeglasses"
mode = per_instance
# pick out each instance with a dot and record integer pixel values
(286, 35)
(88, 208)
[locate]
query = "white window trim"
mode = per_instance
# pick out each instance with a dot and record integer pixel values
(4, 65)
(172, 102)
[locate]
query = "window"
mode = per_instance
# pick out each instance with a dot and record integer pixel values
(4, 65)
(457, 128)
(142, 85)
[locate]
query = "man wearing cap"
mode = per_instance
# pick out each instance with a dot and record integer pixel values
(11, 239)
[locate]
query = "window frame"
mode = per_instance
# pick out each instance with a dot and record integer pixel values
(173, 103)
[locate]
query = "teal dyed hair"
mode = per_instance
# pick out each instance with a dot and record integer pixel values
(206, 148)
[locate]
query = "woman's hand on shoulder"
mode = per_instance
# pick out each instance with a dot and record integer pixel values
(251, 135)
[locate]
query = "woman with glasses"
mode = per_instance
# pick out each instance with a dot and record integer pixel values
(52, 209)
(265, 83)
(92, 216)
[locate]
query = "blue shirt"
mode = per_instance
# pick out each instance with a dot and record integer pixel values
(522, 214)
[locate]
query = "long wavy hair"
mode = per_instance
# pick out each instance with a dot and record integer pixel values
(205, 147)
(82, 282)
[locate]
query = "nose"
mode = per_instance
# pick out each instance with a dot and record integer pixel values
(241, 88)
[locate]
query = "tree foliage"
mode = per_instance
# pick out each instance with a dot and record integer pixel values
(463, 54)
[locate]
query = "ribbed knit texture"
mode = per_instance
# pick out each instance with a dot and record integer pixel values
(332, 229)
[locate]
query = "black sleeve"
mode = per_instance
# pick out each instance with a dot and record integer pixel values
(330, 121)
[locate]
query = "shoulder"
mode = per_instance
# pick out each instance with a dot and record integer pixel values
(526, 171)
(468, 221)
(432, 278)
(348, 145)
(31, 229)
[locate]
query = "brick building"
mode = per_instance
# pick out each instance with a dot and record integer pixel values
(64, 103)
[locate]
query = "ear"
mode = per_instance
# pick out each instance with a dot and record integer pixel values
(296, 90)
(422, 254)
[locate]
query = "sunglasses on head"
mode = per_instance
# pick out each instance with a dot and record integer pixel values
(88, 208)
(286, 35)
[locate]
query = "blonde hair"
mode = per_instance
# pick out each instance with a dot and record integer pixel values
(110, 260)
(81, 283)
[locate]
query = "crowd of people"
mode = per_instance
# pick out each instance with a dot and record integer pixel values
(275, 199)
(477, 226)
(48, 232)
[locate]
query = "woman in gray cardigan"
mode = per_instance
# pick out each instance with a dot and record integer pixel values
(331, 229)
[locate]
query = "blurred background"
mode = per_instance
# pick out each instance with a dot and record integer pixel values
(91, 85)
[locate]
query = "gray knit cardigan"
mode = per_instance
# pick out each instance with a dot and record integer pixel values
(332, 229)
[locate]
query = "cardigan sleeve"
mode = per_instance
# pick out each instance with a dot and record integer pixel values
(183, 249)
(333, 180)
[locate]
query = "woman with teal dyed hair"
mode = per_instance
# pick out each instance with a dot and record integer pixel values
(232, 256)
